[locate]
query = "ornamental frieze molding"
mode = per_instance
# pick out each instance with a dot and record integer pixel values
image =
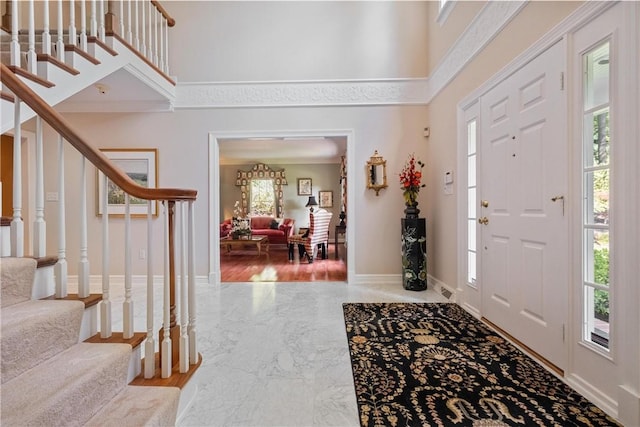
(302, 93)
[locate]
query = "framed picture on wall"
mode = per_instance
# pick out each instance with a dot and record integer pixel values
(326, 199)
(141, 165)
(304, 186)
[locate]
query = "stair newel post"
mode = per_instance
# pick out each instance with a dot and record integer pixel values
(17, 226)
(184, 312)
(165, 354)
(46, 35)
(61, 265)
(32, 58)
(72, 23)
(6, 18)
(93, 23)
(83, 264)
(127, 305)
(105, 305)
(15, 44)
(193, 348)
(149, 346)
(60, 39)
(39, 225)
(83, 25)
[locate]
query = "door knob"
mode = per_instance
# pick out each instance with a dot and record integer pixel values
(485, 203)
(484, 220)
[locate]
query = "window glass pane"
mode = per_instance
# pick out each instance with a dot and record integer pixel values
(597, 321)
(471, 268)
(597, 197)
(596, 82)
(596, 257)
(262, 197)
(472, 202)
(471, 171)
(596, 135)
(471, 137)
(471, 235)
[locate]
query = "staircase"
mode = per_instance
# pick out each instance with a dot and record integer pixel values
(49, 378)
(62, 363)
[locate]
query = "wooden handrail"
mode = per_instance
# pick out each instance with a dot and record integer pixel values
(95, 156)
(170, 21)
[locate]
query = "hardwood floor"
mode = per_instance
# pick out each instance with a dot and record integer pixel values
(244, 265)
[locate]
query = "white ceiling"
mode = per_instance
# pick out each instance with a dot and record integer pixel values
(295, 150)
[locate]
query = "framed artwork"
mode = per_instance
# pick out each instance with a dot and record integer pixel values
(326, 199)
(141, 165)
(304, 186)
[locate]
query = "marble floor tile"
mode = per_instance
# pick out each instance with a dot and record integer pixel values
(275, 354)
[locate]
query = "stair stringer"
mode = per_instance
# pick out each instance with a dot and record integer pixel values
(69, 85)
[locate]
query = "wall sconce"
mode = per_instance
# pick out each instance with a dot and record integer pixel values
(311, 203)
(376, 173)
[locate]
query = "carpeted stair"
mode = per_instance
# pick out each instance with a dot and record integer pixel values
(48, 378)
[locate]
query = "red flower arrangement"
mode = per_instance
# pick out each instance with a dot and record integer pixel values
(410, 178)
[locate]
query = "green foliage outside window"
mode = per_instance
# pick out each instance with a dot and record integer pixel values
(601, 275)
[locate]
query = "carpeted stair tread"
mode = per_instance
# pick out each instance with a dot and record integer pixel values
(16, 279)
(67, 389)
(137, 406)
(34, 331)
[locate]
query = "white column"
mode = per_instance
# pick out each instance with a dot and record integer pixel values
(105, 305)
(149, 346)
(72, 23)
(39, 225)
(61, 265)
(127, 305)
(165, 355)
(83, 25)
(15, 44)
(184, 312)
(83, 264)
(32, 57)
(193, 346)
(17, 226)
(46, 35)
(60, 39)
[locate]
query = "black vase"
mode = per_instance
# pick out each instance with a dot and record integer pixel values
(411, 211)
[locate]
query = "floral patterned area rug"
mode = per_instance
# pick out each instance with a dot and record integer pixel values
(433, 364)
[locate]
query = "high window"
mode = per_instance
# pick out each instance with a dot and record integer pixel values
(471, 203)
(596, 168)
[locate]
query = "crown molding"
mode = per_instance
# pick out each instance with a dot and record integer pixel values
(319, 93)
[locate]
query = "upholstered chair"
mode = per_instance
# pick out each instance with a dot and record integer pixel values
(318, 235)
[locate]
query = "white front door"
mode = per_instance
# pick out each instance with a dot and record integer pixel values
(524, 240)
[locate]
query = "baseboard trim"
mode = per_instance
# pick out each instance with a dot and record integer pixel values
(591, 392)
(442, 288)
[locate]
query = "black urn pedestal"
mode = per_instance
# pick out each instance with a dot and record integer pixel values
(414, 254)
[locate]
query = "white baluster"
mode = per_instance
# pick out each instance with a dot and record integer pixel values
(15, 44)
(127, 305)
(61, 265)
(155, 37)
(46, 35)
(193, 346)
(83, 264)
(161, 44)
(136, 20)
(149, 347)
(166, 48)
(150, 27)
(17, 226)
(72, 23)
(93, 27)
(101, 30)
(129, 32)
(39, 225)
(60, 40)
(32, 57)
(143, 42)
(184, 319)
(83, 25)
(165, 354)
(105, 305)
(121, 19)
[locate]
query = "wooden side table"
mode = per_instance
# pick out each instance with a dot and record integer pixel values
(340, 229)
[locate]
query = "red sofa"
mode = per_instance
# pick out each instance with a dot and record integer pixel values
(262, 226)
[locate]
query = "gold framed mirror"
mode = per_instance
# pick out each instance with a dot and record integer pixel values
(376, 173)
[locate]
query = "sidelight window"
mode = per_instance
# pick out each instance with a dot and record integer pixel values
(471, 203)
(596, 143)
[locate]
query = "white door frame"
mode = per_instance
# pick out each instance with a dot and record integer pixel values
(214, 189)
